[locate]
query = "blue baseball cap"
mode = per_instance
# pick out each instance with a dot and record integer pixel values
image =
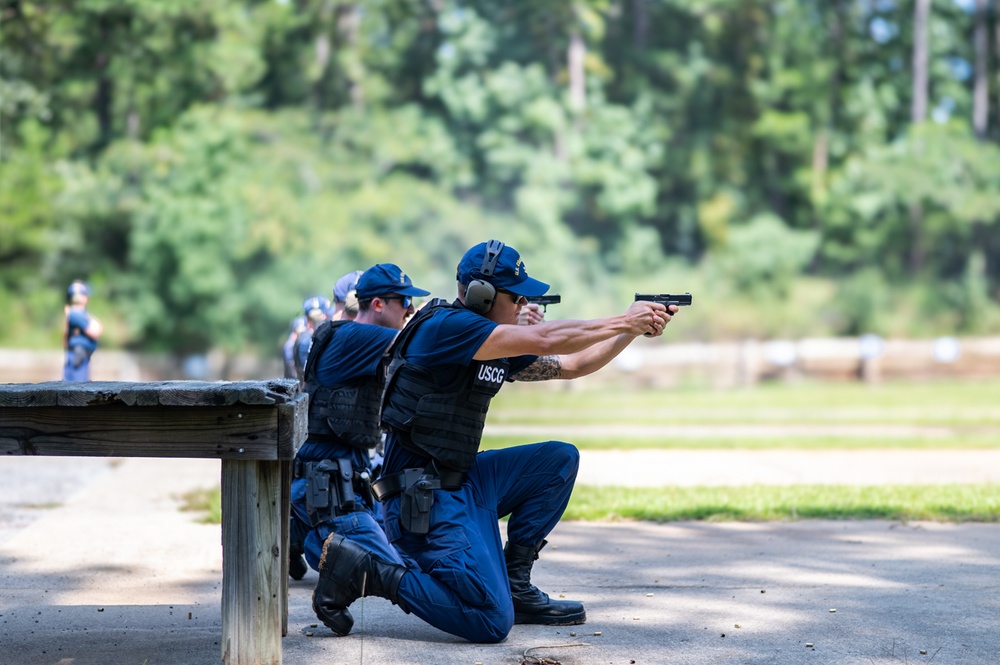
(78, 288)
(316, 308)
(345, 285)
(385, 279)
(509, 273)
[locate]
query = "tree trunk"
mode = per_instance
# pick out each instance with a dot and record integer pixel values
(577, 81)
(132, 127)
(821, 142)
(321, 54)
(348, 25)
(996, 45)
(322, 48)
(917, 251)
(105, 94)
(640, 24)
(820, 159)
(980, 93)
(921, 14)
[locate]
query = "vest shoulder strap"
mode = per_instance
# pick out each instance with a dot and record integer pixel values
(320, 340)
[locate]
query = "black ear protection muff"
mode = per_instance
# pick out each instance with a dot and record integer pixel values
(480, 294)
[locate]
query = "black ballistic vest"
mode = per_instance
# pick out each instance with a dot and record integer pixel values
(444, 422)
(346, 413)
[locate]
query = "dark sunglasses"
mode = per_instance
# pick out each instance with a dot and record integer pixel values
(406, 300)
(518, 300)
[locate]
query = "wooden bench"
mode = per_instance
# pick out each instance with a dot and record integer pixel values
(254, 427)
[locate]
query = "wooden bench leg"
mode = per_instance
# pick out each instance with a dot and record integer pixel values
(254, 532)
(286, 507)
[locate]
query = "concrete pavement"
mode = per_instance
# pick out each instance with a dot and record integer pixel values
(116, 574)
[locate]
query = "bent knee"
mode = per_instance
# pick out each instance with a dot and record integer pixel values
(566, 455)
(490, 631)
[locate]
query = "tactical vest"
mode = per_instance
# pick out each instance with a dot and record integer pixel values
(347, 413)
(77, 336)
(444, 422)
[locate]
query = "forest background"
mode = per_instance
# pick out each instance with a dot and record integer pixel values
(804, 167)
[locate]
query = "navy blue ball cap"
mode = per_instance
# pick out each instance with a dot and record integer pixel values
(78, 288)
(386, 279)
(345, 285)
(316, 307)
(509, 274)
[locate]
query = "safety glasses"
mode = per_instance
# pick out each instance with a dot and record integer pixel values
(406, 300)
(518, 300)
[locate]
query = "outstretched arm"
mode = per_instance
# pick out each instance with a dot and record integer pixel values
(568, 348)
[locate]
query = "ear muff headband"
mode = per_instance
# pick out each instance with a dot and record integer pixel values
(480, 294)
(490, 258)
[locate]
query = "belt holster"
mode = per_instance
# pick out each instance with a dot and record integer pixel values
(80, 356)
(415, 505)
(363, 486)
(329, 489)
(417, 489)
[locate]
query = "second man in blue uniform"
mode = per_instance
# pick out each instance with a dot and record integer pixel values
(331, 491)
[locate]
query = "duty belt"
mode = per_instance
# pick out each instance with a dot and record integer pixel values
(417, 487)
(390, 485)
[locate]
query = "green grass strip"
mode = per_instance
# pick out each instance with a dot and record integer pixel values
(969, 404)
(762, 503)
(812, 394)
(207, 501)
(753, 503)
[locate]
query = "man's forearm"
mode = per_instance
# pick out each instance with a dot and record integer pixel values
(594, 358)
(574, 365)
(568, 337)
(550, 338)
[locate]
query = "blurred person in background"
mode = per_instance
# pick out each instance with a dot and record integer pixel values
(316, 309)
(297, 327)
(345, 298)
(81, 334)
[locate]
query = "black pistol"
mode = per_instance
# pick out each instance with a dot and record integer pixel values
(545, 301)
(681, 300)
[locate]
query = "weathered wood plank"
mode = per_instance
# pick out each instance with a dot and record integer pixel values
(28, 394)
(227, 432)
(286, 507)
(140, 394)
(166, 393)
(251, 531)
(293, 426)
(89, 394)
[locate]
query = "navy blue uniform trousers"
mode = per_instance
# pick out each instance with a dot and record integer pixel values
(460, 581)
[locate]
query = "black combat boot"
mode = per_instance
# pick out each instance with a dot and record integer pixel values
(296, 564)
(530, 604)
(296, 537)
(347, 571)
